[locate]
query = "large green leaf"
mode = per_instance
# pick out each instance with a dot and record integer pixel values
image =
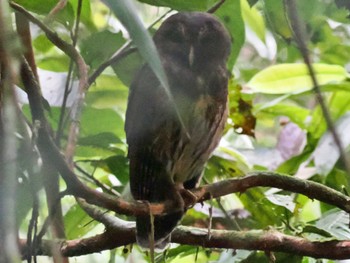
(108, 92)
(95, 121)
(296, 114)
(94, 54)
(294, 78)
(127, 67)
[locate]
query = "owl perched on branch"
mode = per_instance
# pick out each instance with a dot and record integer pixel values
(169, 143)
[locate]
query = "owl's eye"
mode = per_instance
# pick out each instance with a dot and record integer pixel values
(176, 34)
(207, 33)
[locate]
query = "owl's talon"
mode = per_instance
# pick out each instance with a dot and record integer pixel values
(189, 198)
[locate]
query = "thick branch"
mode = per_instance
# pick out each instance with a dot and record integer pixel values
(270, 240)
(310, 189)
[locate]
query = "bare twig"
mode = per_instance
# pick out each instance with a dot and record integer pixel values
(213, 9)
(67, 88)
(103, 186)
(54, 11)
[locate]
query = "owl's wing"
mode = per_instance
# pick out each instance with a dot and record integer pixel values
(149, 133)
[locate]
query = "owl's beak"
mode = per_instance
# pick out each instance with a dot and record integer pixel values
(191, 56)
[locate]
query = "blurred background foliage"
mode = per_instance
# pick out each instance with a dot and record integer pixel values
(275, 122)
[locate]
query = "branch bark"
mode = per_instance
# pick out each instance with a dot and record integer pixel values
(264, 240)
(310, 189)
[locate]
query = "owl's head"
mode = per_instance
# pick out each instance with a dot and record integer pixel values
(197, 40)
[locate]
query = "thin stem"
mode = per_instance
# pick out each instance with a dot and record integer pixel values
(299, 36)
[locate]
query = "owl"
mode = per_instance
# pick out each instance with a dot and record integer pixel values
(170, 141)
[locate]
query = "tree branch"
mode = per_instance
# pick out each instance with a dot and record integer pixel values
(310, 189)
(213, 9)
(264, 240)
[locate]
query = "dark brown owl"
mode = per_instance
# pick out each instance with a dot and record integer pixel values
(166, 156)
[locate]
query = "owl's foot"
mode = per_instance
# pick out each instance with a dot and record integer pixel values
(189, 198)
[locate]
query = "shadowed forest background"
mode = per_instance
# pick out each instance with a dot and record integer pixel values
(275, 190)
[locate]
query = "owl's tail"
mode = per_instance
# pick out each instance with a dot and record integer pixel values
(162, 225)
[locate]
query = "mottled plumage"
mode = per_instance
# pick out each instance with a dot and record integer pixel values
(164, 157)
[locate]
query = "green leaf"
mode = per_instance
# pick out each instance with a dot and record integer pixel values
(127, 67)
(95, 121)
(291, 166)
(119, 166)
(42, 44)
(77, 223)
(338, 104)
(296, 114)
(276, 18)
(108, 92)
(57, 63)
(254, 19)
(92, 52)
(230, 14)
(338, 180)
(294, 78)
(265, 212)
(92, 152)
(101, 140)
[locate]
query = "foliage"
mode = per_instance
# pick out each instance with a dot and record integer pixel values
(275, 121)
